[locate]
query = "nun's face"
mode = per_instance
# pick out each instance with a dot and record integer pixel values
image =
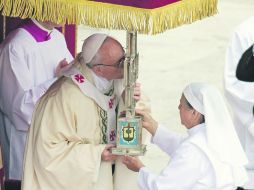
(186, 113)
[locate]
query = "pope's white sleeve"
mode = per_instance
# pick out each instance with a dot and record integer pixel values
(187, 160)
(167, 140)
(19, 95)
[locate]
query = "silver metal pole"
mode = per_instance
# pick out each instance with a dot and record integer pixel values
(130, 72)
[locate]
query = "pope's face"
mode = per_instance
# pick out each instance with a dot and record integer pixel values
(113, 69)
(109, 63)
(111, 66)
(186, 113)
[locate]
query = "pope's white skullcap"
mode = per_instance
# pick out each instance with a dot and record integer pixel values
(91, 46)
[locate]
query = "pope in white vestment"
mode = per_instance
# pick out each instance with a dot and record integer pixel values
(73, 123)
(28, 59)
(239, 92)
(209, 158)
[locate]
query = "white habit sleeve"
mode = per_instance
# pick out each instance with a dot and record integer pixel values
(167, 140)
(180, 173)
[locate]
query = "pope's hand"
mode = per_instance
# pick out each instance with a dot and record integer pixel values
(132, 163)
(62, 64)
(106, 153)
(148, 122)
(137, 91)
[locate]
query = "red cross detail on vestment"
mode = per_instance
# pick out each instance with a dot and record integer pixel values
(111, 103)
(112, 135)
(79, 78)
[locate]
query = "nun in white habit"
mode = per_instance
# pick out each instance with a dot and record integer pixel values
(209, 158)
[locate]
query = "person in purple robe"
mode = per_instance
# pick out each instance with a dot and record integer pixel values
(31, 59)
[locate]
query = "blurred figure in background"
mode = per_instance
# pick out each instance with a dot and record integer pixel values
(31, 58)
(239, 89)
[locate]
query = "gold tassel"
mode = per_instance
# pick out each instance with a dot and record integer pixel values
(104, 15)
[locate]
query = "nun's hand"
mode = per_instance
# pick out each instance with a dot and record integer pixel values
(148, 122)
(132, 163)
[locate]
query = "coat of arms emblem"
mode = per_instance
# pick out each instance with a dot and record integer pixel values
(128, 133)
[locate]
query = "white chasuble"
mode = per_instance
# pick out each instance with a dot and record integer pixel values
(64, 143)
(107, 103)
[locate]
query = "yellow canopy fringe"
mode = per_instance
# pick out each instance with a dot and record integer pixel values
(104, 15)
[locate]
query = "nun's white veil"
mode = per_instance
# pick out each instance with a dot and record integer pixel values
(221, 136)
(207, 100)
